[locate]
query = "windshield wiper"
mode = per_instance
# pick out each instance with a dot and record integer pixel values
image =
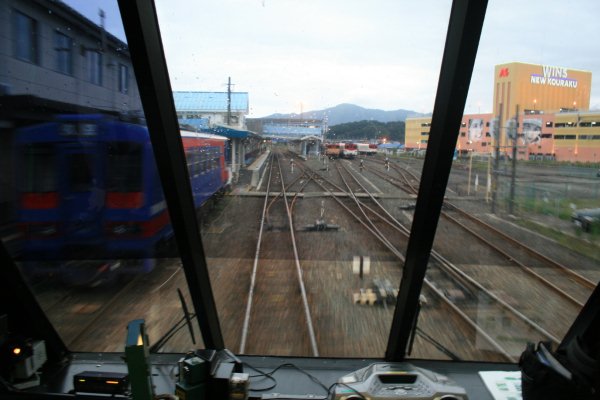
(185, 320)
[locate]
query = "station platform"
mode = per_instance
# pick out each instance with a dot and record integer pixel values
(249, 177)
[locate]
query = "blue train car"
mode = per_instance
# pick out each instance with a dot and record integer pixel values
(89, 187)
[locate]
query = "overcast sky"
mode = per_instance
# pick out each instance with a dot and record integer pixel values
(301, 55)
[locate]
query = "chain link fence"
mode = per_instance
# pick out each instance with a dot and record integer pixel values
(548, 198)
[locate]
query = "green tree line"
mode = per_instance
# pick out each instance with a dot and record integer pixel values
(367, 130)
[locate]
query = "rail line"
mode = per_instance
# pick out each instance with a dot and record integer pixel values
(297, 267)
(581, 281)
(107, 307)
(464, 279)
(93, 309)
(430, 285)
(432, 288)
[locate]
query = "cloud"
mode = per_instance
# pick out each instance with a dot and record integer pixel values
(383, 53)
(318, 53)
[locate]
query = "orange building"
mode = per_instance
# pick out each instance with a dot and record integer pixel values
(538, 89)
(553, 122)
(577, 136)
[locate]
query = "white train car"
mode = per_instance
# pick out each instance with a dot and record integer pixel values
(367, 149)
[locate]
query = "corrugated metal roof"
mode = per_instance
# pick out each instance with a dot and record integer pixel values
(210, 101)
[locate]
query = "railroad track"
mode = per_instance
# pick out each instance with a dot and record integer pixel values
(90, 317)
(460, 282)
(566, 283)
(277, 295)
(467, 319)
(570, 285)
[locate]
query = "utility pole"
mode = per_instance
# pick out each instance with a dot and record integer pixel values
(228, 101)
(497, 137)
(513, 175)
(102, 15)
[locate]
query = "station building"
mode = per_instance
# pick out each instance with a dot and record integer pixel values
(224, 114)
(553, 118)
(209, 109)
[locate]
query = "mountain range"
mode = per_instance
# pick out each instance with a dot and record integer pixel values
(343, 113)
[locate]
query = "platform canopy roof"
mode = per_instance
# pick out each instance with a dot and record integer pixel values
(231, 133)
(311, 137)
(197, 123)
(210, 101)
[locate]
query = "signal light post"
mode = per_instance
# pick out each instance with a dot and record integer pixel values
(511, 203)
(497, 134)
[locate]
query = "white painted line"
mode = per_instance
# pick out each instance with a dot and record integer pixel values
(356, 265)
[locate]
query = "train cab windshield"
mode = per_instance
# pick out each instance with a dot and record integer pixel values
(38, 168)
(301, 179)
(81, 171)
(124, 167)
